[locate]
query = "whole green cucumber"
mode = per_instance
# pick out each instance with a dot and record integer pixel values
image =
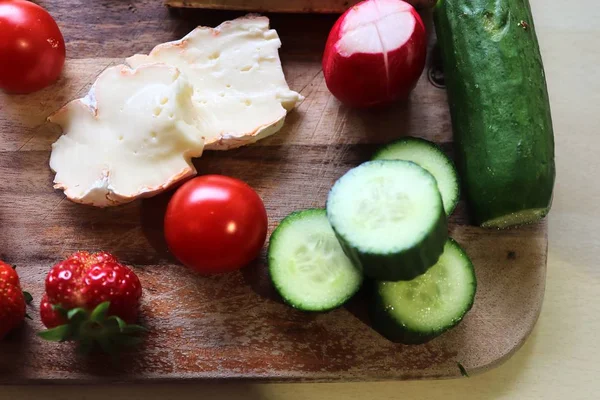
(499, 107)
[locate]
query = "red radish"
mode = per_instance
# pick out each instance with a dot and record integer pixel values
(375, 53)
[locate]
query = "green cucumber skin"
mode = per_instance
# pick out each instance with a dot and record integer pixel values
(414, 262)
(499, 106)
(392, 330)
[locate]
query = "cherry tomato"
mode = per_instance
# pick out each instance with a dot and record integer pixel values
(32, 49)
(215, 224)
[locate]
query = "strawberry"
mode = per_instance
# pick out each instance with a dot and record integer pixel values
(12, 300)
(92, 299)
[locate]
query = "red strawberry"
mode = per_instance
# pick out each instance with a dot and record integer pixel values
(50, 318)
(12, 300)
(92, 299)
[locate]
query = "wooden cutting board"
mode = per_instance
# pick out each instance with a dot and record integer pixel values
(234, 326)
(295, 6)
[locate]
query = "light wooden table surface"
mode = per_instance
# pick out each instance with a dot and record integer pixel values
(561, 359)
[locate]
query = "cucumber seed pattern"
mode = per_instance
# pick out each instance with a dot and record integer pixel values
(320, 257)
(381, 208)
(429, 289)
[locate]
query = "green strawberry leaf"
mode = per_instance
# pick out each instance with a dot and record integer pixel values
(59, 309)
(85, 345)
(28, 317)
(95, 329)
(28, 297)
(463, 370)
(105, 345)
(59, 334)
(122, 324)
(134, 329)
(99, 313)
(76, 314)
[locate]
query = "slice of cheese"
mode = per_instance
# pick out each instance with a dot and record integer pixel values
(133, 136)
(240, 90)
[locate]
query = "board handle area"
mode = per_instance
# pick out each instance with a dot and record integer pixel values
(287, 6)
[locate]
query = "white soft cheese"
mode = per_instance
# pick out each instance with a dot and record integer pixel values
(240, 90)
(132, 136)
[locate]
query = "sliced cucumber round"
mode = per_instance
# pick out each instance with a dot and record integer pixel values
(431, 157)
(307, 264)
(389, 218)
(417, 311)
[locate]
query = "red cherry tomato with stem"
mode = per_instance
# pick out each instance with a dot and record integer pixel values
(32, 48)
(215, 224)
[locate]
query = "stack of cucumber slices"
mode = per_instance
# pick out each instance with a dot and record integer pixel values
(386, 221)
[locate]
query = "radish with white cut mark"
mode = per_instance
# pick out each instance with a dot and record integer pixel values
(375, 53)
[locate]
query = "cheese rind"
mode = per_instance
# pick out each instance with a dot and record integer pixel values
(240, 91)
(132, 136)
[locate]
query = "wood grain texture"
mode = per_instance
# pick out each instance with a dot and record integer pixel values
(234, 326)
(288, 6)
